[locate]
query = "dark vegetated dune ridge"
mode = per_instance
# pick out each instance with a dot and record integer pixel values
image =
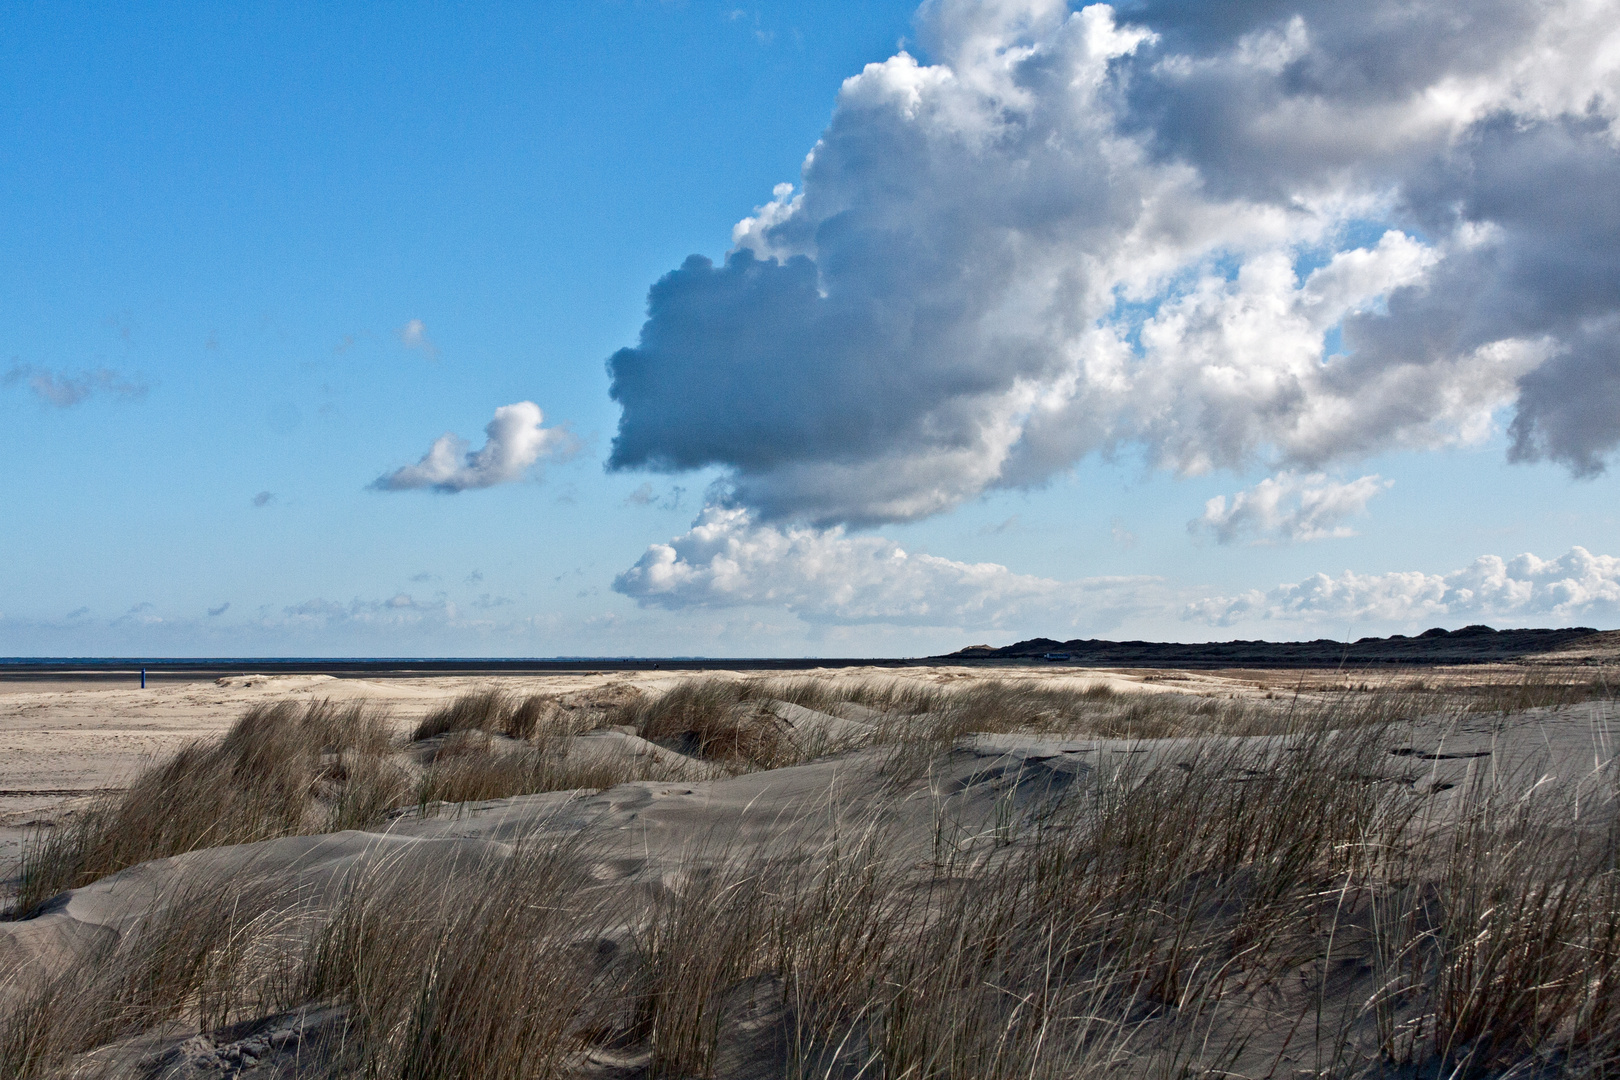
(1468, 645)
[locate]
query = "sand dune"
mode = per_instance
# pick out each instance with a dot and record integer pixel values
(66, 738)
(685, 937)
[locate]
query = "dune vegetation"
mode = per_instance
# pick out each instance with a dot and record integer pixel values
(1226, 887)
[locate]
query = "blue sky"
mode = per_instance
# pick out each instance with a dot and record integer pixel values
(253, 260)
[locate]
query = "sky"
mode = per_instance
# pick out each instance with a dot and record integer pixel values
(627, 328)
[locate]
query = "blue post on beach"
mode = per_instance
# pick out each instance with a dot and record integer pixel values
(143, 678)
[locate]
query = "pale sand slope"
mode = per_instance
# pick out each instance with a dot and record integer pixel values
(642, 837)
(66, 739)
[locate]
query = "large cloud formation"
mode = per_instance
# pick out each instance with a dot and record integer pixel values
(516, 441)
(1288, 233)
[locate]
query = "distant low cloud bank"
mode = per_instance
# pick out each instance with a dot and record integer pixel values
(728, 559)
(516, 442)
(1289, 235)
(1579, 585)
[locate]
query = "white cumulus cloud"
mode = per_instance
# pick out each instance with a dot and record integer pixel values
(1576, 586)
(1289, 507)
(515, 442)
(824, 575)
(1291, 234)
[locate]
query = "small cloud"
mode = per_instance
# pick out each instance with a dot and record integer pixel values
(1121, 536)
(515, 442)
(764, 37)
(212, 343)
(348, 340)
(264, 498)
(475, 577)
(140, 613)
(401, 600)
(423, 576)
(1012, 524)
(316, 608)
(645, 496)
(487, 601)
(63, 390)
(1289, 507)
(413, 335)
(78, 613)
(222, 609)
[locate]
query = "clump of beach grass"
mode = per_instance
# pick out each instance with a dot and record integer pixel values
(521, 716)
(282, 769)
(494, 710)
(473, 766)
(483, 975)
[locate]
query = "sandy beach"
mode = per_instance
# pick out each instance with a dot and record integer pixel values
(671, 816)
